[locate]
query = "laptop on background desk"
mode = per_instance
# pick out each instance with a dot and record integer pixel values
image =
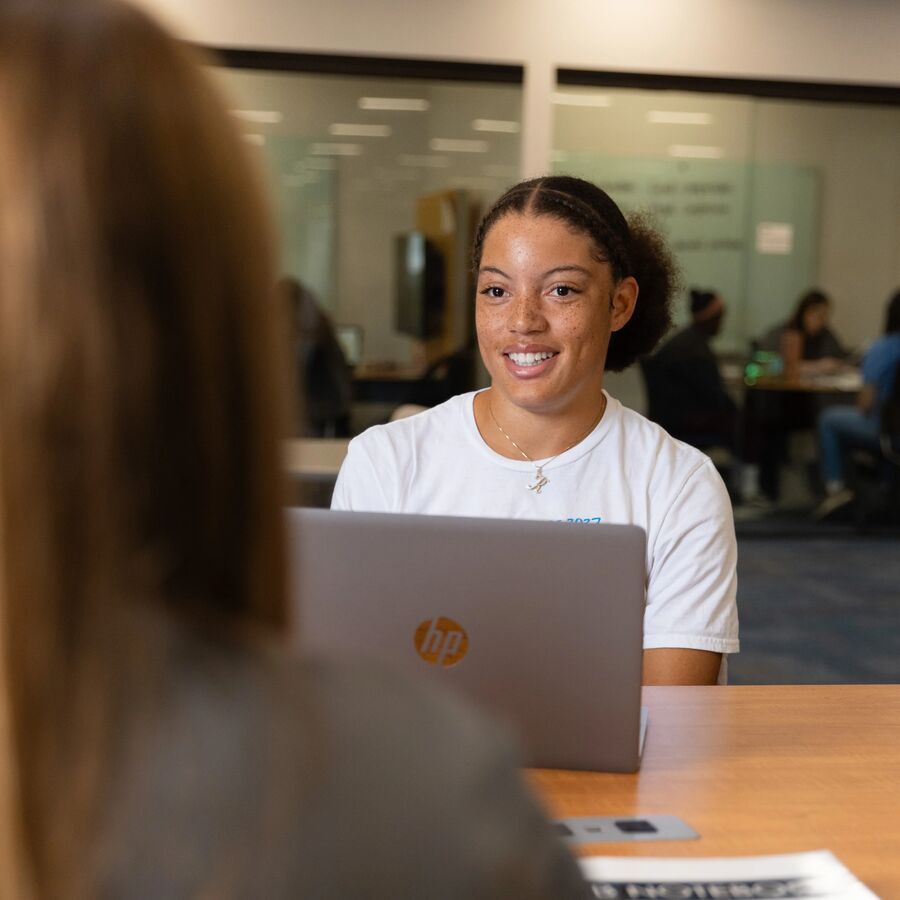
(539, 623)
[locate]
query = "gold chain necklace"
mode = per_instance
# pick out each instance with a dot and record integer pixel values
(540, 479)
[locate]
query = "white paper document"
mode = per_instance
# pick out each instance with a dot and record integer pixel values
(817, 875)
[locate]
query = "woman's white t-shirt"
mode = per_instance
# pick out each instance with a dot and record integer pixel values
(627, 470)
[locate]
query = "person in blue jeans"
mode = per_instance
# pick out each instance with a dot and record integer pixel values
(844, 427)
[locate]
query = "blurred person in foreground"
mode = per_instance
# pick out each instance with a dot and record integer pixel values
(159, 742)
(843, 428)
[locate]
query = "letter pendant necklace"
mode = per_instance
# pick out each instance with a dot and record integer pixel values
(540, 479)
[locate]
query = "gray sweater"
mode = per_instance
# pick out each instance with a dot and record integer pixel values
(253, 775)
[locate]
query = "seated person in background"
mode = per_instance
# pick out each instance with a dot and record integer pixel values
(446, 377)
(567, 287)
(807, 347)
(162, 743)
(685, 394)
(323, 376)
(806, 343)
(842, 428)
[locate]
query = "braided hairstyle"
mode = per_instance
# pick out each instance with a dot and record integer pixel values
(632, 247)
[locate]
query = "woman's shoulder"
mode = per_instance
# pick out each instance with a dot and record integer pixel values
(268, 691)
(275, 755)
(411, 774)
(349, 728)
(353, 701)
(646, 441)
(656, 465)
(881, 358)
(885, 344)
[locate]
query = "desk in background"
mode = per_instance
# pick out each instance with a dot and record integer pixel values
(378, 384)
(846, 382)
(315, 458)
(313, 465)
(759, 770)
(775, 406)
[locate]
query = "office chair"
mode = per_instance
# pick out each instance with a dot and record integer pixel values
(877, 475)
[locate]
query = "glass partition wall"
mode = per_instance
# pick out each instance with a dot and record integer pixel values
(377, 183)
(762, 199)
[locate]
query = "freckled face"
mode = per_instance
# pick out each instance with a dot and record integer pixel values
(543, 314)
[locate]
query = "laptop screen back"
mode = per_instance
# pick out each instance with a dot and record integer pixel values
(539, 623)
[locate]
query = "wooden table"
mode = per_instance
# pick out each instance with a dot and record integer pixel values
(380, 384)
(846, 382)
(315, 458)
(757, 770)
(775, 406)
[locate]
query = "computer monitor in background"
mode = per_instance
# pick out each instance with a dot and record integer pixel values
(350, 337)
(419, 276)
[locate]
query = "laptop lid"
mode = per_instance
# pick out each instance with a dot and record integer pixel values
(539, 623)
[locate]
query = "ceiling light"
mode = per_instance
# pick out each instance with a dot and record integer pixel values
(696, 151)
(339, 129)
(299, 181)
(500, 126)
(474, 182)
(597, 100)
(665, 117)
(397, 104)
(500, 171)
(258, 116)
(319, 164)
(367, 185)
(336, 150)
(451, 145)
(425, 161)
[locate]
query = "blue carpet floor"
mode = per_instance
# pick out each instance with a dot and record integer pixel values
(818, 610)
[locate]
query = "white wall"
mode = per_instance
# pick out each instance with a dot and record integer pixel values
(805, 39)
(856, 151)
(825, 40)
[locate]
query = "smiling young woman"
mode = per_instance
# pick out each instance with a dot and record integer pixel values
(567, 289)
(545, 309)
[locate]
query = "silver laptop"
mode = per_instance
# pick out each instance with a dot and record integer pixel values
(539, 623)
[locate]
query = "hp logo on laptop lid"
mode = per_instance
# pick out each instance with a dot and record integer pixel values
(441, 642)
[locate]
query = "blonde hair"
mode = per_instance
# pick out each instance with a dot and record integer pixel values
(141, 389)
